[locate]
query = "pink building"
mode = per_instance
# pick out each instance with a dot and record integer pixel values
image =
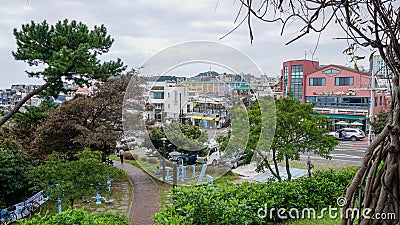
(293, 75)
(338, 92)
(342, 93)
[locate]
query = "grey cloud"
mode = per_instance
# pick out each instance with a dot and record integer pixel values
(141, 28)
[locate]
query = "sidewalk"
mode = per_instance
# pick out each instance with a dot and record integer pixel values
(146, 195)
(360, 144)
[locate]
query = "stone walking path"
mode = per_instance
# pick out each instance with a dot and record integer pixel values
(146, 195)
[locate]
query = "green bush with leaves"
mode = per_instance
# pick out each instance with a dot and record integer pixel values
(240, 203)
(77, 217)
(72, 180)
(14, 173)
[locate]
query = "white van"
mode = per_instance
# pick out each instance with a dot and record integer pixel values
(213, 154)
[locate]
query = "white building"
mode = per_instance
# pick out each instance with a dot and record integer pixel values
(379, 68)
(170, 100)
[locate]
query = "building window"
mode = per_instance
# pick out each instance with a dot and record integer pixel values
(317, 81)
(310, 99)
(344, 81)
(158, 95)
(380, 100)
(296, 82)
(353, 101)
(175, 97)
(169, 106)
(331, 71)
(285, 80)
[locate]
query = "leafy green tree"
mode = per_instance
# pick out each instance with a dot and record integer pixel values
(379, 125)
(66, 51)
(297, 131)
(77, 217)
(25, 124)
(183, 138)
(251, 130)
(223, 141)
(2, 112)
(93, 121)
(74, 179)
(14, 173)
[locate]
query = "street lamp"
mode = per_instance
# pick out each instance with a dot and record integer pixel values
(163, 159)
(175, 155)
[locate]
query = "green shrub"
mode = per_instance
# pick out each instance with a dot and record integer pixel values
(77, 217)
(239, 204)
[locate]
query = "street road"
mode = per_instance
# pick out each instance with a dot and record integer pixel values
(348, 152)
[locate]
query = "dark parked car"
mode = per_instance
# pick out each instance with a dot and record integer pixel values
(188, 159)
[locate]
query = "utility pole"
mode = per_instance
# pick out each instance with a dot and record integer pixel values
(371, 109)
(180, 108)
(163, 160)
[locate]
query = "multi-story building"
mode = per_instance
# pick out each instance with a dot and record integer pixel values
(214, 88)
(338, 92)
(209, 112)
(342, 93)
(271, 83)
(293, 77)
(10, 97)
(383, 74)
(170, 100)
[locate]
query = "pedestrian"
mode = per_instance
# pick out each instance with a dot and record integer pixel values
(121, 155)
(343, 135)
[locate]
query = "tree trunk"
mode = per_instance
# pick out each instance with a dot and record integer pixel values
(289, 175)
(22, 102)
(271, 170)
(376, 184)
(278, 176)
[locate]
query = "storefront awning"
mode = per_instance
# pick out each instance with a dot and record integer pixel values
(342, 116)
(197, 117)
(209, 118)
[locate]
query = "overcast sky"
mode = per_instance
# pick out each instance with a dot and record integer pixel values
(141, 28)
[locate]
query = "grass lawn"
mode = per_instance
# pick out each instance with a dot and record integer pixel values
(318, 165)
(227, 177)
(165, 188)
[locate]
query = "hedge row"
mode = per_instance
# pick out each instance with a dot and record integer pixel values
(77, 217)
(241, 203)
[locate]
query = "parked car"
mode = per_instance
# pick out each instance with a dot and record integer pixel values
(234, 161)
(188, 159)
(213, 154)
(353, 134)
(333, 133)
